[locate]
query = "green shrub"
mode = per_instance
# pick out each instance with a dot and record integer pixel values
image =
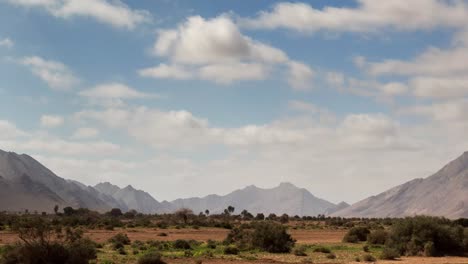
(389, 254)
(231, 250)
(377, 237)
(188, 253)
(120, 238)
(272, 237)
(300, 251)
(181, 244)
(356, 234)
(365, 248)
(429, 250)
(151, 258)
(368, 258)
(211, 244)
(410, 236)
(43, 243)
(322, 250)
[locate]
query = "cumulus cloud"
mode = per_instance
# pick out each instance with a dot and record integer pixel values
(115, 91)
(215, 50)
(51, 121)
(56, 146)
(6, 42)
(167, 129)
(56, 74)
(367, 16)
(114, 13)
(164, 71)
(9, 130)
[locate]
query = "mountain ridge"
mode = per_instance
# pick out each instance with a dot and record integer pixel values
(419, 196)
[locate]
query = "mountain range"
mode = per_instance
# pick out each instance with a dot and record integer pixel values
(25, 184)
(444, 194)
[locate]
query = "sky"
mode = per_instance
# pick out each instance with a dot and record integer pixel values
(189, 98)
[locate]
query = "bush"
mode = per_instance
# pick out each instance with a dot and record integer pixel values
(267, 236)
(365, 248)
(231, 250)
(300, 251)
(368, 258)
(389, 254)
(422, 234)
(356, 234)
(272, 237)
(181, 244)
(211, 244)
(429, 250)
(322, 250)
(377, 237)
(43, 244)
(331, 256)
(151, 258)
(120, 238)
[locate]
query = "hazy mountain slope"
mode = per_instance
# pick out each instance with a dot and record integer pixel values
(27, 184)
(443, 194)
(286, 198)
(134, 199)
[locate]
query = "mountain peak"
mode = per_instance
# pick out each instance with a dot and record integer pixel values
(287, 185)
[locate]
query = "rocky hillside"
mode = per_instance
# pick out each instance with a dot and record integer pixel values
(443, 194)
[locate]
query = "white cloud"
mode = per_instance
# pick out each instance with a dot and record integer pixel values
(54, 73)
(165, 71)
(85, 133)
(440, 87)
(215, 50)
(434, 62)
(63, 147)
(9, 130)
(368, 16)
(227, 73)
(114, 91)
(51, 121)
(450, 112)
(200, 41)
(436, 73)
(114, 13)
(335, 79)
(300, 76)
(6, 42)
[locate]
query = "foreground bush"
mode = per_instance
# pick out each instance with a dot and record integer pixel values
(300, 251)
(151, 258)
(40, 244)
(377, 237)
(356, 234)
(430, 236)
(272, 237)
(389, 254)
(268, 236)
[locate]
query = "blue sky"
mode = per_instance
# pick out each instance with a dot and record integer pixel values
(185, 98)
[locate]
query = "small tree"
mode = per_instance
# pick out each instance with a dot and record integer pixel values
(56, 208)
(184, 214)
(115, 212)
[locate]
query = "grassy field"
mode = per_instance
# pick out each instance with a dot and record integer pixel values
(144, 239)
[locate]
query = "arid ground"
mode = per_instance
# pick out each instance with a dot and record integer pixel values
(345, 253)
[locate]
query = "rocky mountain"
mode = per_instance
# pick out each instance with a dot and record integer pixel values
(286, 198)
(443, 194)
(134, 199)
(25, 184)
